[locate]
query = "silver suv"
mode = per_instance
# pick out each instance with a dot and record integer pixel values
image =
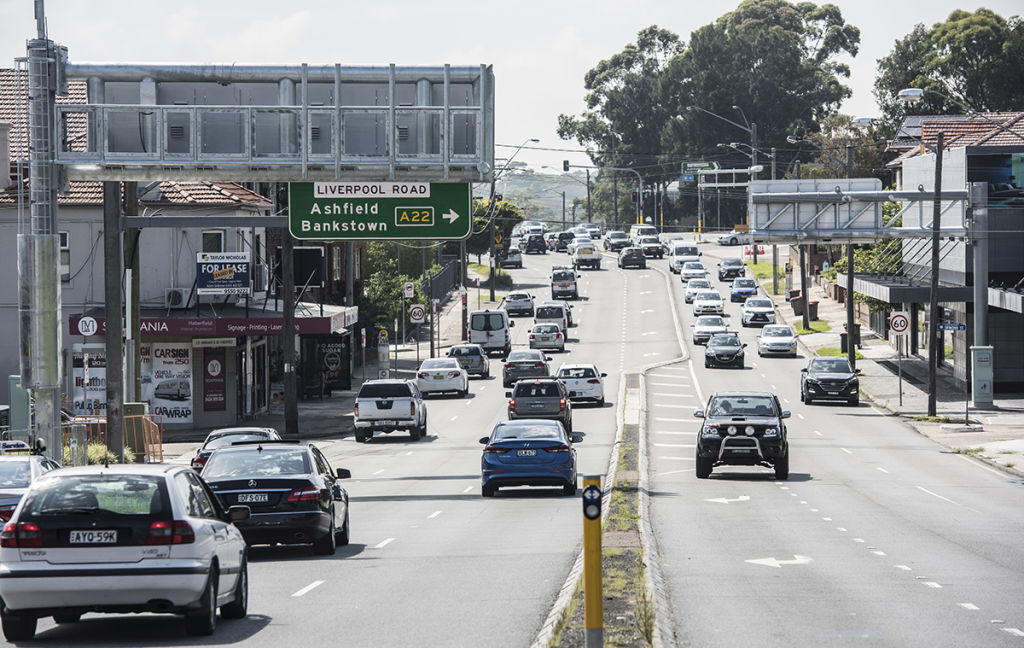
(544, 398)
(472, 358)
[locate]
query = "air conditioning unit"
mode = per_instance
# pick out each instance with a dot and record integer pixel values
(175, 297)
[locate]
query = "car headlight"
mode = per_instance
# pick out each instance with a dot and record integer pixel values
(749, 430)
(771, 432)
(709, 431)
(732, 430)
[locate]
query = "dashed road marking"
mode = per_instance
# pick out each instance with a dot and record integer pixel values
(308, 588)
(818, 433)
(800, 416)
(878, 552)
(676, 432)
(846, 451)
(785, 400)
(945, 499)
(902, 567)
(675, 445)
(969, 606)
(858, 540)
(677, 458)
(433, 515)
(670, 420)
(379, 471)
(932, 584)
(879, 468)
(661, 384)
(774, 388)
(1014, 631)
(455, 417)
(384, 543)
(675, 406)
(467, 489)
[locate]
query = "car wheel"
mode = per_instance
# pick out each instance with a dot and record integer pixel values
(204, 620)
(325, 544)
(342, 537)
(707, 364)
(855, 401)
(569, 489)
(18, 627)
(67, 617)
(414, 433)
(239, 606)
(782, 467)
(703, 468)
(600, 402)
(732, 241)
(487, 490)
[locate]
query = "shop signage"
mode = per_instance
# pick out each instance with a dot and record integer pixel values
(167, 380)
(220, 326)
(213, 380)
(200, 343)
(222, 273)
(89, 372)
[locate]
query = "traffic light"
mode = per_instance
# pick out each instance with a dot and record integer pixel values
(565, 165)
(634, 196)
(497, 198)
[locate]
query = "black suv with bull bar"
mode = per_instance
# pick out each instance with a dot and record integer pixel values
(743, 429)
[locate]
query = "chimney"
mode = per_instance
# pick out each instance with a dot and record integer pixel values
(5, 155)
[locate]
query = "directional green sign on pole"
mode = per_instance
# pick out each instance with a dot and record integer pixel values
(319, 211)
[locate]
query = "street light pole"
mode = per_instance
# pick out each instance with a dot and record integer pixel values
(933, 305)
(850, 325)
(494, 208)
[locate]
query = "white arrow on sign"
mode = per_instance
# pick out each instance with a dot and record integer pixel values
(726, 500)
(777, 564)
(451, 216)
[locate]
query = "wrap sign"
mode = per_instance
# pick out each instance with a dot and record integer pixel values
(222, 273)
(168, 385)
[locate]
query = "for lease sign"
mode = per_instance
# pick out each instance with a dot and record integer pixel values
(222, 273)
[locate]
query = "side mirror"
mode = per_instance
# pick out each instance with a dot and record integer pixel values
(343, 473)
(786, 414)
(547, 358)
(856, 371)
(744, 345)
(572, 394)
(485, 440)
(40, 445)
(692, 325)
(577, 438)
(508, 394)
(604, 375)
(238, 513)
(511, 323)
(804, 370)
(698, 413)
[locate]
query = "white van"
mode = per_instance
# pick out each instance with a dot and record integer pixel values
(636, 231)
(491, 330)
(551, 313)
(682, 254)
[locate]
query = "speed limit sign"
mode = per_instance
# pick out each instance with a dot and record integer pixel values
(417, 313)
(899, 323)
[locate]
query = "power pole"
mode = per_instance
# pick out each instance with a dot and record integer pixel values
(851, 351)
(775, 248)
(463, 279)
(133, 388)
(112, 309)
(291, 392)
(933, 304)
(589, 213)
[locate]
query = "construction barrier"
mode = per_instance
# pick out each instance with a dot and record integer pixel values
(748, 250)
(143, 435)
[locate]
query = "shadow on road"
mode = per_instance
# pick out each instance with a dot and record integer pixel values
(148, 629)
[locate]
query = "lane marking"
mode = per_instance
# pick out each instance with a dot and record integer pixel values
(675, 406)
(675, 445)
(384, 543)
(648, 333)
(675, 432)
(981, 465)
(433, 515)
(785, 399)
(814, 510)
(879, 468)
(308, 588)
(1014, 631)
(483, 388)
(969, 606)
(670, 420)
(933, 585)
(818, 433)
(878, 553)
(774, 388)
(467, 489)
(468, 403)
(661, 384)
(846, 451)
(763, 376)
(455, 417)
(800, 416)
(858, 540)
(678, 458)
(902, 567)
(673, 472)
(379, 471)
(754, 365)
(408, 453)
(665, 395)
(945, 499)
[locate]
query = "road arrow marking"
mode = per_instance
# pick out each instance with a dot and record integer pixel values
(726, 500)
(777, 564)
(451, 216)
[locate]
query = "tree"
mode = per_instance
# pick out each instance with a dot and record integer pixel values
(828, 149)
(505, 215)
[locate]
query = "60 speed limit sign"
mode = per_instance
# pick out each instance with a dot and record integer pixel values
(417, 313)
(899, 323)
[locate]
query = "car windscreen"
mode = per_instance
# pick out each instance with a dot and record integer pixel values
(257, 461)
(549, 312)
(227, 439)
(693, 265)
(98, 497)
(487, 322)
(777, 331)
(384, 390)
(742, 406)
(743, 283)
(710, 321)
(732, 262)
(708, 296)
(15, 474)
(831, 365)
(698, 283)
(517, 297)
(724, 341)
(524, 356)
(563, 275)
(536, 390)
(546, 328)
(439, 363)
(759, 303)
(465, 351)
(508, 431)
(685, 251)
(576, 372)
(617, 235)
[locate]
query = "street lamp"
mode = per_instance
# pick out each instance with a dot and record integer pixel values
(561, 193)
(572, 177)
(494, 179)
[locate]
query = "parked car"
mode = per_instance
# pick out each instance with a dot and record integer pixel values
(492, 330)
(389, 405)
(472, 358)
(742, 288)
(547, 336)
(513, 258)
(692, 270)
(223, 437)
(540, 399)
(706, 326)
(707, 303)
(651, 247)
(528, 452)
(20, 465)
(695, 286)
(757, 310)
(777, 339)
(439, 375)
(290, 488)
(732, 238)
(522, 364)
(519, 303)
(683, 254)
(724, 350)
(122, 538)
(533, 243)
(829, 379)
(632, 257)
(616, 240)
(743, 429)
(583, 382)
(731, 268)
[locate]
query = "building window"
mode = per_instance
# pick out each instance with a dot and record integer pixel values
(65, 257)
(213, 241)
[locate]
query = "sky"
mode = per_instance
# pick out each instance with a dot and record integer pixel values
(540, 50)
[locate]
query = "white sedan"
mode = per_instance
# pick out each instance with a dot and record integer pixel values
(706, 326)
(695, 286)
(708, 303)
(777, 339)
(438, 375)
(123, 538)
(758, 310)
(583, 382)
(692, 270)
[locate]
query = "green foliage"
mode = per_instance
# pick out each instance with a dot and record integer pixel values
(98, 453)
(835, 352)
(503, 280)
(817, 326)
(505, 215)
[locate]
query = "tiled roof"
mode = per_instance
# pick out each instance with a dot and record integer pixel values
(198, 193)
(960, 130)
(14, 107)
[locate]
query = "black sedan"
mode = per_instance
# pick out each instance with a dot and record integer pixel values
(724, 350)
(829, 379)
(632, 257)
(290, 488)
(743, 429)
(223, 437)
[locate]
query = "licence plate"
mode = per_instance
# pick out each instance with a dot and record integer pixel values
(463, 363)
(831, 393)
(545, 338)
(93, 537)
(438, 377)
(526, 453)
(253, 498)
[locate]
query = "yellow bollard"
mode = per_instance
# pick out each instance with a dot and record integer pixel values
(593, 596)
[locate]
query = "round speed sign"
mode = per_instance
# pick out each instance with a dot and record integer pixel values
(899, 322)
(417, 313)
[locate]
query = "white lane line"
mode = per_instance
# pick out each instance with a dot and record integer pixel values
(384, 543)
(409, 453)
(969, 606)
(433, 515)
(878, 553)
(483, 388)
(676, 433)
(763, 376)
(647, 355)
(468, 403)
(308, 588)
(786, 400)
(661, 384)
(818, 433)
(774, 388)
(814, 510)
(645, 333)
(932, 584)
(1014, 631)
(800, 416)
(379, 471)
(675, 445)
(675, 406)
(647, 310)
(673, 472)
(663, 394)
(879, 468)
(858, 540)
(902, 567)
(670, 420)
(455, 417)
(678, 458)
(467, 489)
(945, 499)
(846, 451)
(783, 487)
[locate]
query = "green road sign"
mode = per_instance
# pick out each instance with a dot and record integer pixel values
(690, 167)
(319, 211)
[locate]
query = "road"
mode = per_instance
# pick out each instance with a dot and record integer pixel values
(878, 538)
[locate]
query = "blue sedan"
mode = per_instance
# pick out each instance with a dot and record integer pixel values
(742, 288)
(529, 452)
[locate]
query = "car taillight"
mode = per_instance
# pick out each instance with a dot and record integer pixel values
(561, 404)
(412, 408)
(558, 448)
(593, 381)
(198, 462)
(421, 374)
(306, 494)
(558, 336)
(539, 365)
(6, 512)
(509, 365)
(355, 410)
(531, 336)
(493, 449)
(453, 374)
(165, 532)
(24, 535)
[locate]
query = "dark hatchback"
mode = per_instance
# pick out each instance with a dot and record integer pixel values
(540, 399)
(522, 364)
(829, 379)
(743, 429)
(533, 243)
(223, 437)
(292, 493)
(632, 257)
(730, 269)
(724, 350)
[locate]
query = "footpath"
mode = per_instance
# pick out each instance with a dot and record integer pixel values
(994, 435)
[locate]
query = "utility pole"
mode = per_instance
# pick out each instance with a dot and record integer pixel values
(112, 309)
(851, 350)
(615, 199)
(753, 176)
(589, 213)
(133, 388)
(463, 278)
(933, 305)
(775, 248)
(291, 392)
(494, 216)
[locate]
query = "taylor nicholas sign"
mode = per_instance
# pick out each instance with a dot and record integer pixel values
(222, 273)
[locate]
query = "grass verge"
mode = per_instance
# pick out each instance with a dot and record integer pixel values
(836, 352)
(503, 280)
(817, 326)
